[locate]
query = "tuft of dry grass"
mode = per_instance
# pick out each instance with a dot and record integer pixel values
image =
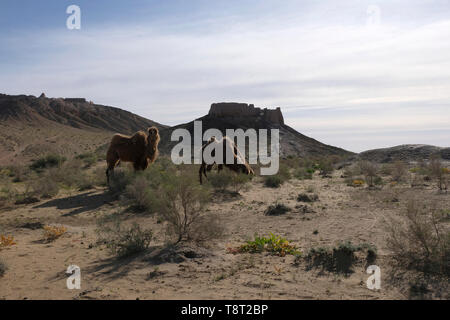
(52, 233)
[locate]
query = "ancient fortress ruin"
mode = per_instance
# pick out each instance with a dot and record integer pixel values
(241, 110)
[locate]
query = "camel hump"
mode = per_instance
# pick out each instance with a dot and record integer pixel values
(139, 138)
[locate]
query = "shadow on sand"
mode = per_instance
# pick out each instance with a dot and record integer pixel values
(80, 203)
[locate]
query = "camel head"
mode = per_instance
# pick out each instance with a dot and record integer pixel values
(152, 142)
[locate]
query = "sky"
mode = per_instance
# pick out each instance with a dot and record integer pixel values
(355, 74)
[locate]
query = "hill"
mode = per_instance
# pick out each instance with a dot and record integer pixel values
(233, 115)
(406, 152)
(32, 126)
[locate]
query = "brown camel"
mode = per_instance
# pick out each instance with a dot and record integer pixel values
(236, 166)
(141, 149)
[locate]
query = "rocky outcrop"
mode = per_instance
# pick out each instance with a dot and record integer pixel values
(243, 110)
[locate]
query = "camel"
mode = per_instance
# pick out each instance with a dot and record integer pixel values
(237, 167)
(140, 149)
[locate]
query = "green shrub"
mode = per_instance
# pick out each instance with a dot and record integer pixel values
(220, 181)
(48, 161)
(240, 182)
(272, 181)
(88, 159)
(124, 241)
(139, 195)
(276, 209)
(181, 203)
(303, 173)
(273, 244)
(119, 180)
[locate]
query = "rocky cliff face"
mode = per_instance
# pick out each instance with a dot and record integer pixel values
(238, 111)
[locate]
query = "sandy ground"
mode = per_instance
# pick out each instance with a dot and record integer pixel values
(37, 269)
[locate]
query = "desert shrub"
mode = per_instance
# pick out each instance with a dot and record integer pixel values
(49, 161)
(303, 173)
(439, 172)
(6, 241)
(303, 197)
(356, 183)
(339, 259)
(276, 209)
(70, 174)
(98, 177)
(274, 244)
(325, 166)
(419, 241)
(7, 193)
(52, 233)
(284, 172)
(123, 241)
(139, 195)
(43, 187)
(369, 170)
(221, 181)
(19, 173)
(240, 182)
(3, 267)
(272, 181)
(88, 159)
(119, 180)
(399, 170)
(181, 204)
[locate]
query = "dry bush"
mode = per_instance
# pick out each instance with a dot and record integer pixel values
(439, 172)
(220, 181)
(8, 193)
(123, 241)
(399, 169)
(6, 241)
(277, 209)
(19, 173)
(420, 240)
(182, 202)
(43, 187)
(52, 233)
(369, 170)
(240, 182)
(139, 195)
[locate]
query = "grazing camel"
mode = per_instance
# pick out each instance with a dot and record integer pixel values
(236, 166)
(141, 149)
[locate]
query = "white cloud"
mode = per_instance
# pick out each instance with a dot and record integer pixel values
(169, 77)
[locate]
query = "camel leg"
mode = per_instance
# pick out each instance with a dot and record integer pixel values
(112, 160)
(201, 172)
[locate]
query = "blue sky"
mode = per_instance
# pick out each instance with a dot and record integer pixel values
(355, 74)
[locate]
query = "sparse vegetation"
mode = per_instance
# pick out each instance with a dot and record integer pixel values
(303, 197)
(6, 241)
(49, 161)
(276, 209)
(272, 181)
(123, 241)
(181, 204)
(369, 170)
(339, 259)
(274, 244)
(52, 233)
(420, 241)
